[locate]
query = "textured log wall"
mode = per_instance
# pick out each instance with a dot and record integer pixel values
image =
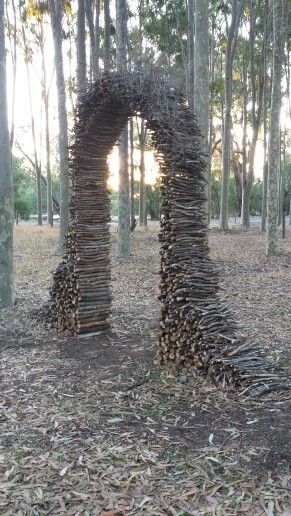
(196, 328)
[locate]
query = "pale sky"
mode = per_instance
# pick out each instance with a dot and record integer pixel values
(23, 120)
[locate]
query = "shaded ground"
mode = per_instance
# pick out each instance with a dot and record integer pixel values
(93, 425)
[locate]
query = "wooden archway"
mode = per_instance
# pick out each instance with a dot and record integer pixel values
(195, 328)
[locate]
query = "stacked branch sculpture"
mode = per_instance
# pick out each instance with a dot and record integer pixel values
(196, 328)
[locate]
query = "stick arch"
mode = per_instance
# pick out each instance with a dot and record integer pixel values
(195, 327)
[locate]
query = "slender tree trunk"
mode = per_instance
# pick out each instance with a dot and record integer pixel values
(123, 195)
(230, 50)
(107, 23)
(93, 53)
(70, 80)
(201, 84)
(45, 97)
(210, 120)
(132, 211)
(142, 185)
(12, 33)
(279, 27)
(280, 183)
(265, 129)
(256, 113)
(56, 19)
(37, 163)
(97, 34)
(6, 188)
(283, 164)
(190, 52)
(245, 190)
(81, 48)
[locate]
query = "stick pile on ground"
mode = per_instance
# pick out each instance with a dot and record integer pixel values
(196, 329)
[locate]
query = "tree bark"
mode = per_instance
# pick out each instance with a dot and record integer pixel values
(201, 84)
(132, 211)
(81, 48)
(211, 128)
(45, 97)
(190, 52)
(36, 161)
(56, 20)
(107, 23)
(12, 33)
(265, 130)
(230, 50)
(256, 113)
(245, 198)
(142, 185)
(6, 188)
(97, 34)
(92, 36)
(123, 195)
(279, 28)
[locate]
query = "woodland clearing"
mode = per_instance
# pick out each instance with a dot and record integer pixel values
(93, 426)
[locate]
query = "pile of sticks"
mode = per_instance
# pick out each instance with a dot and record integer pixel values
(196, 329)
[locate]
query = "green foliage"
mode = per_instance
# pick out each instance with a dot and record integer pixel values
(153, 201)
(233, 200)
(24, 189)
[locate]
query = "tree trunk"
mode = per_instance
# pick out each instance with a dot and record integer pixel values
(280, 183)
(265, 129)
(97, 34)
(230, 50)
(201, 74)
(45, 96)
(56, 19)
(6, 188)
(279, 21)
(211, 107)
(12, 33)
(132, 211)
(256, 112)
(190, 52)
(70, 79)
(37, 163)
(123, 196)
(81, 48)
(107, 23)
(142, 185)
(93, 53)
(245, 220)
(245, 205)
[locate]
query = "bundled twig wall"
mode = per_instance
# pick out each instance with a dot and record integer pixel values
(195, 328)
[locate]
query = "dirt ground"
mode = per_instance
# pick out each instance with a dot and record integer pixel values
(93, 426)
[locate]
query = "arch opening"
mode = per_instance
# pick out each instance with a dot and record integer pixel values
(195, 327)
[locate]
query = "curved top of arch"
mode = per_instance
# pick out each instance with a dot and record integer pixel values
(114, 97)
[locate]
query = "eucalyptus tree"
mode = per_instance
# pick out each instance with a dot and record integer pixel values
(81, 48)
(280, 17)
(94, 37)
(232, 32)
(201, 74)
(190, 53)
(123, 193)
(107, 24)
(45, 97)
(6, 189)
(257, 77)
(56, 14)
(28, 56)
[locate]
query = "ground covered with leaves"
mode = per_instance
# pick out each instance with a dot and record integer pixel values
(92, 426)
